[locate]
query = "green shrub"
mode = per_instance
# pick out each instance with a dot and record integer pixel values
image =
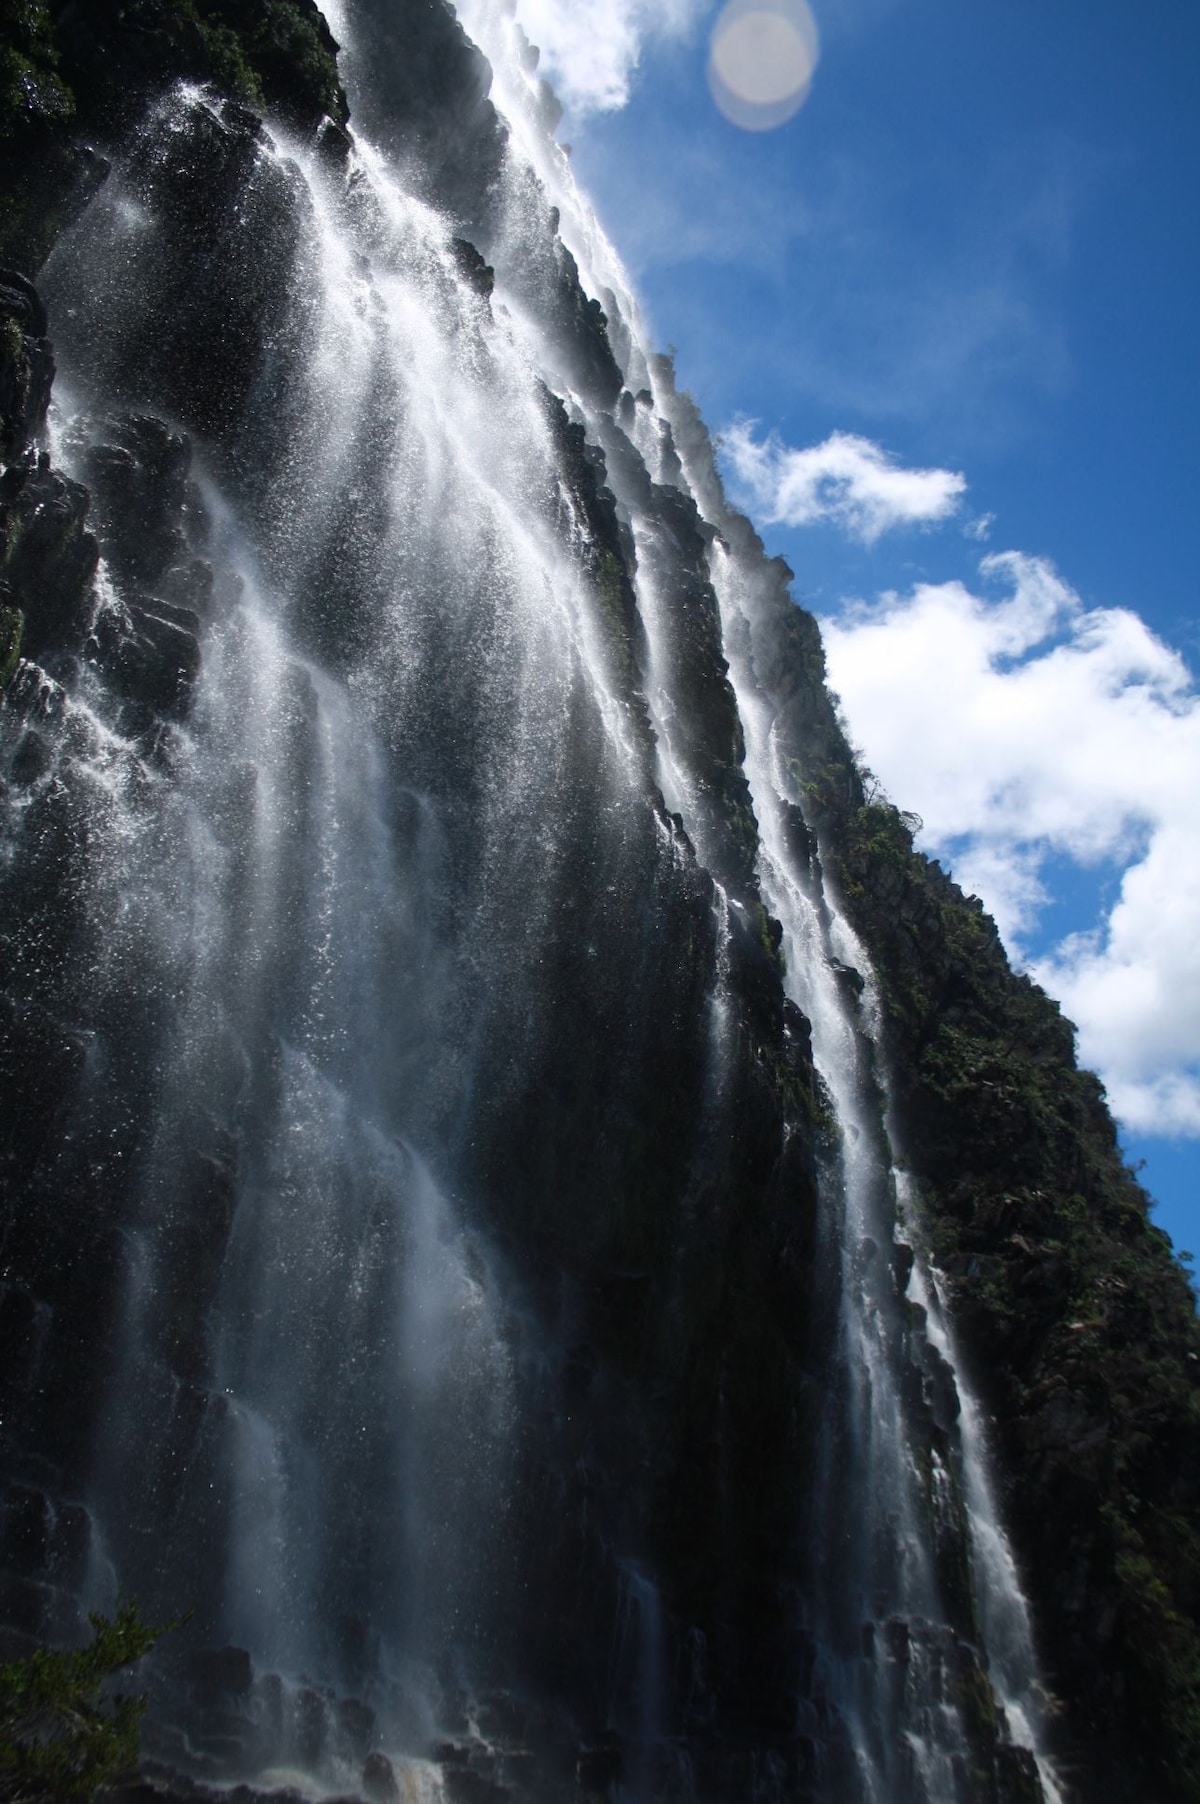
(61, 1734)
(12, 629)
(30, 88)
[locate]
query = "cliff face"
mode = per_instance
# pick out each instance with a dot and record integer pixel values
(1077, 1322)
(488, 1097)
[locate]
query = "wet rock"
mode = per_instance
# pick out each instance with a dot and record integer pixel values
(850, 980)
(599, 1770)
(941, 1390)
(1017, 1780)
(31, 760)
(334, 144)
(26, 362)
(379, 1780)
(70, 1545)
(903, 1259)
(42, 1538)
(581, 322)
(437, 119)
(519, 1769)
(43, 1611)
(25, 1523)
(475, 272)
(500, 1715)
(234, 1741)
(41, 1061)
(49, 559)
(468, 1785)
(214, 294)
(355, 1725)
(310, 1725)
(150, 654)
(188, 585)
(221, 1671)
(451, 1753)
(138, 471)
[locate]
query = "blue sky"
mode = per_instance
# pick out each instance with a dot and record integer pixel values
(945, 317)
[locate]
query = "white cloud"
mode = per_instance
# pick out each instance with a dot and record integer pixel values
(1136, 984)
(591, 48)
(1023, 726)
(847, 480)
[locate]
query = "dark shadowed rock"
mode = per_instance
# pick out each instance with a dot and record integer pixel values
(379, 1781)
(49, 558)
(221, 1671)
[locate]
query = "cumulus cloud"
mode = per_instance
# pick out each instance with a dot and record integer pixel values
(591, 48)
(1025, 727)
(847, 480)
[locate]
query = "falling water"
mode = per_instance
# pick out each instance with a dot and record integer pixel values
(461, 805)
(334, 933)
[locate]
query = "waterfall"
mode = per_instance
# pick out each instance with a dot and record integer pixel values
(433, 1219)
(913, 1555)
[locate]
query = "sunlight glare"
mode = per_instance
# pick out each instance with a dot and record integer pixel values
(762, 59)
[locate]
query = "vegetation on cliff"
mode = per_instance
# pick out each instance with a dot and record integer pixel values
(71, 72)
(58, 62)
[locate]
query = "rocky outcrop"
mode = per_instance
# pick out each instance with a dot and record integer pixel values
(437, 120)
(26, 363)
(47, 556)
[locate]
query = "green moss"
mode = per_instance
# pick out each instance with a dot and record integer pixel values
(296, 69)
(231, 68)
(269, 53)
(14, 378)
(615, 600)
(12, 631)
(972, 1693)
(769, 936)
(10, 331)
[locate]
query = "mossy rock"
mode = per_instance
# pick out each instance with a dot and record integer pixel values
(12, 631)
(98, 66)
(32, 92)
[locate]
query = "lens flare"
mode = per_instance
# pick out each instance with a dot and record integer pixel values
(761, 61)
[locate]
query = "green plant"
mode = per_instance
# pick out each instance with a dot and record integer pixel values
(61, 1734)
(12, 630)
(30, 87)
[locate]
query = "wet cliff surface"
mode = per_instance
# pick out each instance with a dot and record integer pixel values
(520, 1189)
